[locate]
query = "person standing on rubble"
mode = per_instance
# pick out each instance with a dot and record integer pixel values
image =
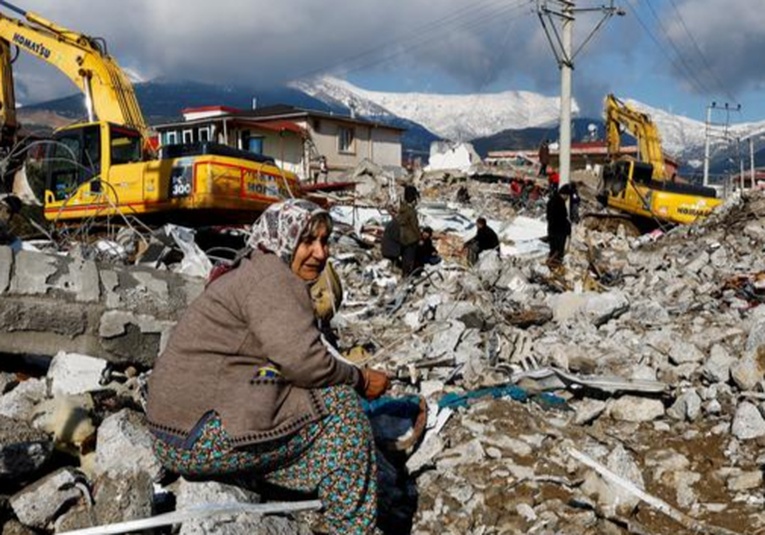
(485, 239)
(544, 157)
(553, 181)
(390, 246)
(245, 391)
(323, 169)
(558, 227)
(409, 229)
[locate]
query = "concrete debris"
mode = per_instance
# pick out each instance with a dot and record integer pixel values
(641, 364)
(23, 449)
(38, 504)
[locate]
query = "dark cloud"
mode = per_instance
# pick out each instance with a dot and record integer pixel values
(722, 42)
(489, 41)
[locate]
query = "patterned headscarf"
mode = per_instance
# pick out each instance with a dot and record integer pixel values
(279, 228)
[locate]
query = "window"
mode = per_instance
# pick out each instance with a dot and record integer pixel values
(345, 139)
(126, 146)
(204, 134)
(91, 151)
(255, 145)
(188, 136)
(63, 165)
(171, 138)
(74, 159)
(317, 125)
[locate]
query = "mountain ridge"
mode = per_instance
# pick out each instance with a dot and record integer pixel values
(490, 120)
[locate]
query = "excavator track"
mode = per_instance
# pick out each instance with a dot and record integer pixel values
(610, 222)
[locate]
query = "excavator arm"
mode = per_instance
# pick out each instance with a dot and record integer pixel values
(640, 188)
(109, 95)
(8, 122)
(639, 125)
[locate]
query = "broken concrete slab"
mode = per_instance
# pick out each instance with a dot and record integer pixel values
(23, 449)
(635, 409)
(124, 446)
(20, 402)
(748, 422)
(6, 266)
(72, 373)
(38, 504)
(115, 499)
(31, 272)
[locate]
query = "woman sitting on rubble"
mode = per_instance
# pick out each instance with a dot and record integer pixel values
(245, 391)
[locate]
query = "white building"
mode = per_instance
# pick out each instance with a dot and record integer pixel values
(295, 138)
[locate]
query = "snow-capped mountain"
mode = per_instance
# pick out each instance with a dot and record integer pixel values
(685, 138)
(454, 117)
(467, 117)
(512, 119)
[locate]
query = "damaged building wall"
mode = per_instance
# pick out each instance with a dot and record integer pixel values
(52, 303)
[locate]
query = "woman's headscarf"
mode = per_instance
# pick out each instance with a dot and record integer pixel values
(279, 228)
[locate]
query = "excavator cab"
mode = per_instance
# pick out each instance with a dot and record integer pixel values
(78, 155)
(613, 180)
(73, 159)
(617, 177)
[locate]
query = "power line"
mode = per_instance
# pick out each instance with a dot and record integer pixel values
(422, 35)
(687, 67)
(699, 87)
(423, 40)
(703, 57)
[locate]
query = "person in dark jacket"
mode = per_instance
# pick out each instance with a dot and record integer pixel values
(426, 251)
(558, 226)
(390, 246)
(544, 157)
(409, 234)
(485, 239)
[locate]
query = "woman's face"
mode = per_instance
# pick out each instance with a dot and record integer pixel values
(311, 255)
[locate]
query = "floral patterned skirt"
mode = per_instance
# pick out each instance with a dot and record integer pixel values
(334, 456)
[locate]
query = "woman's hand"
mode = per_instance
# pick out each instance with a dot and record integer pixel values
(373, 383)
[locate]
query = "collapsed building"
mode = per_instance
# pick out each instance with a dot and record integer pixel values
(622, 395)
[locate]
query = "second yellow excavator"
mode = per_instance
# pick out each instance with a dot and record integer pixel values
(641, 188)
(105, 166)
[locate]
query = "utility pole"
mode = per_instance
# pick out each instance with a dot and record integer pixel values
(752, 171)
(707, 130)
(705, 182)
(561, 43)
(751, 158)
(740, 165)
(566, 68)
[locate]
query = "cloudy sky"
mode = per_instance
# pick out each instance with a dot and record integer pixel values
(678, 55)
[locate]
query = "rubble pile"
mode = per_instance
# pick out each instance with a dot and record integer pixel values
(624, 394)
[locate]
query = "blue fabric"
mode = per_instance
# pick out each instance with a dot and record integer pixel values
(404, 407)
(391, 418)
(453, 400)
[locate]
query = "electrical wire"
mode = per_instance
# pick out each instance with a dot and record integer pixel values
(423, 36)
(392, 41)
(468, 25)
(680, 63)
(703, 57)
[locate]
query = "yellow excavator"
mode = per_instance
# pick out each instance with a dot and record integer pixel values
(640, 187)
(106, 167)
